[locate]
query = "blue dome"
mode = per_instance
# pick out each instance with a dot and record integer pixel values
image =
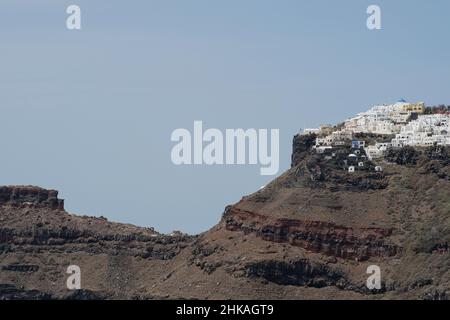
(401, 100)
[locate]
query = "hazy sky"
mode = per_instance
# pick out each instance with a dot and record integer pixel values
(90, 112)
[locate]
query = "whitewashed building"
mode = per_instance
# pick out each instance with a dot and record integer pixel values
(426, 130)
(405, 121)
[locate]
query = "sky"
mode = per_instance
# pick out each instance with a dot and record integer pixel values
(90, 112)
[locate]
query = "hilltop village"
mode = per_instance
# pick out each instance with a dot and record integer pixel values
(369, 135)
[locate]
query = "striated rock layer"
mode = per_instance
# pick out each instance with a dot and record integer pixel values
(315, 236)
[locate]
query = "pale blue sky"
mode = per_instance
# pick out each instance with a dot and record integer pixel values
(90, 112)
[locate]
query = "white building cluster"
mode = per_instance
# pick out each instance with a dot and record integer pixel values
(427, 130)
(405, 121)
(385, 119)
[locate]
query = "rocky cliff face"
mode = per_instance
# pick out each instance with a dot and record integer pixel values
(316, 236)
(39, 240)
(309, 234)
(19, 196)
(301, 146)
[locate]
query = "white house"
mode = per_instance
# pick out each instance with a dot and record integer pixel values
(311, 131)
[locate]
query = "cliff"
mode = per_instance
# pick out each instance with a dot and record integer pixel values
(309, 234)
(30, 196)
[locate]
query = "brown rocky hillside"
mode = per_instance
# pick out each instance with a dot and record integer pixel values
(309, 234)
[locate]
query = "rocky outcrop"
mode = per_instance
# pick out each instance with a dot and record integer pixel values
(66, 240)
(315, 236)
(301, 145)
(33, 220)
(437, 294)
(298, 273)
(403, 156)
(306, 273)
(84, 294)
(331, 171)
(440, 153)
(20, 268)
(30, 196)
(437, 161)
(11, 292)
(431, 160)
(359, 181)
